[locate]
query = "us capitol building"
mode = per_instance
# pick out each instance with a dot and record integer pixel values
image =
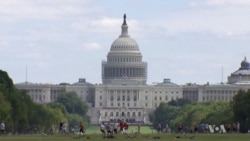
(124, 93)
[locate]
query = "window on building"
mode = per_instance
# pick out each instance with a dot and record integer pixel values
(146, 97)
(100, 104)
(100, 97)
(135, 98)
(166, 97)
(139, 114)
(128, 97)
(133, 114)
(118, 97)
(106, 114)
(155, 98)
(128, 114)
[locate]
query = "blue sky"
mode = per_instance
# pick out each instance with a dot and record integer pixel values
(63, 40)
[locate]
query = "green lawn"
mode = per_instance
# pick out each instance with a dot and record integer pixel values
(143, 129)
(142, 137)
(147, 134)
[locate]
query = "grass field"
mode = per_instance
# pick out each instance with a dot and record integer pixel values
(147, 134)
(144, 129)
(142, 137)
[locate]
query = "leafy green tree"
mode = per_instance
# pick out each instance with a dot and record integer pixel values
(74, 121)
(163, 114)
(241, 109)
(73, 103)
(179, 102)
(20, 113)
(59, 106)
(5, 107)
(190, 114)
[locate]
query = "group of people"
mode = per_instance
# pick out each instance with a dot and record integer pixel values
(63, 128)
(108, 129)
(234, 128)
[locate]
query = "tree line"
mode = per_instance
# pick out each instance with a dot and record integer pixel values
(22, 115)
(187, 113)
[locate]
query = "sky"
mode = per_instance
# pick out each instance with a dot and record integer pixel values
(187, 41)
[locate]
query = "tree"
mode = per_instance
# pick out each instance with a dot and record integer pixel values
(241, 108)
(73, 103)
(163, 114)
(20, 113)
(179, 102)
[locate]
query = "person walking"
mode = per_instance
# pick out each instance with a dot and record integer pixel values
(2, 128)
(159, 128)
(81, 129)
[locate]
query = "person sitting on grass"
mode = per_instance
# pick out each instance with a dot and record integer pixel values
(109, 130)
(125, 129)
(102, 129)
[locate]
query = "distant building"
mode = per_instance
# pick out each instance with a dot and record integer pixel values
(124, 93)
(242, 75)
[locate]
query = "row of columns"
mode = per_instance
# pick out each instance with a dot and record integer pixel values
(124, 72)
(133, 96)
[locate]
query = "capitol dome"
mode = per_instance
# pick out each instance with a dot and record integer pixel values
(124, 61)
(124, 44)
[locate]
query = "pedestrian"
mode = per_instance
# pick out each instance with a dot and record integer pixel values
(60, 127)
(166, 130)
(64, 129)
(125, 129)
(102, 129)
(238, 127)
(122, 123)
(81, 129)
(159, 128)
(116, 124)
(139, 128)
(3, 128)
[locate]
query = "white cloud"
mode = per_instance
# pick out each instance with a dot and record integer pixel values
(227, 2)
(204, 19)
(42, 65)
(106, 22)
(30, 55)
(12, 10)
(220, 3)
(91, 46)
(102, 25)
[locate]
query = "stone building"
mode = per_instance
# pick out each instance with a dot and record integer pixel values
(124, 93)
(242, 75)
